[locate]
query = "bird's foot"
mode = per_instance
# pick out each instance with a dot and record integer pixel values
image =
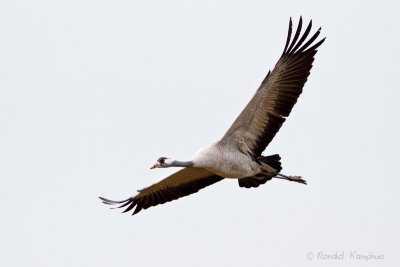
(297, 179)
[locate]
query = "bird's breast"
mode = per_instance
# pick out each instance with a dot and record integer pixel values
(226, 162)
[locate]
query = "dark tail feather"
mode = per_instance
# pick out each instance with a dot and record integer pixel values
(273, 161)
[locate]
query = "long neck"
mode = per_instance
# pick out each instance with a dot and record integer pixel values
(177, 163)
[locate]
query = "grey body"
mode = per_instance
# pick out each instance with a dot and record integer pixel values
(226, 161)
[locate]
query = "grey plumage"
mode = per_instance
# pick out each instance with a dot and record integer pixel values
(238, 153)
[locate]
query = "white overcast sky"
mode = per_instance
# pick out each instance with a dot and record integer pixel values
(93, 92)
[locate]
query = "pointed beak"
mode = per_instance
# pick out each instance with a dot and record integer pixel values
(157, 165)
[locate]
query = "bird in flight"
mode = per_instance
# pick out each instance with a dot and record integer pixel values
(238, 154)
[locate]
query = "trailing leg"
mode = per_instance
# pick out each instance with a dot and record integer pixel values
(291, 178)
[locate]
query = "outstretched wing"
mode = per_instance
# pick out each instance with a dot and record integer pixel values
(264, 115)
(182, 183)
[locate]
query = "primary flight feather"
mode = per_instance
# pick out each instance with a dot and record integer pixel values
(238, 154)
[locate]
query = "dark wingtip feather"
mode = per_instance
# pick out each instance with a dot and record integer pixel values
(295, 45)
(303, 37)
(296, 35)
(314, 47)
(137, 209)
(289, 35)
(130, 203)
(112, 202)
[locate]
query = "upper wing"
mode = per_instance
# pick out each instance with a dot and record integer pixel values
(182, 183)
(263, 116)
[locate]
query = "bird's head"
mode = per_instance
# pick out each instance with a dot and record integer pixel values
(162, 162)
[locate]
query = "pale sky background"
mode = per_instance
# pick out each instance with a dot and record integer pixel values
(93, 92)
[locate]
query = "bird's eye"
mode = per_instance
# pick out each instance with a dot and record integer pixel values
(162, 160)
